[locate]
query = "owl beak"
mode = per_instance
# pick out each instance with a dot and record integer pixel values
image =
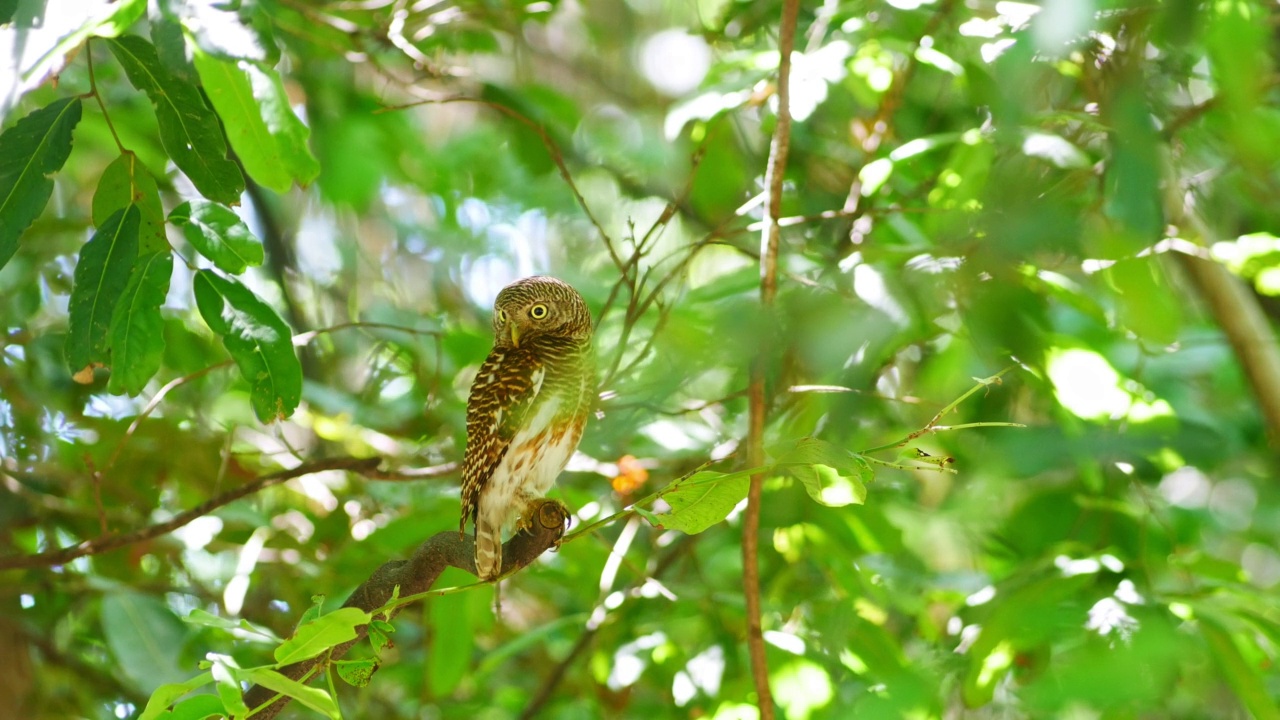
(515, 335)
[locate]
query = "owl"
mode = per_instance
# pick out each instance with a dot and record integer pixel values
(527, 409)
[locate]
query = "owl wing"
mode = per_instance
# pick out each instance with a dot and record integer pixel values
(505, 389)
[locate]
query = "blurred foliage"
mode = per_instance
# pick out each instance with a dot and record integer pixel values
(971, 185)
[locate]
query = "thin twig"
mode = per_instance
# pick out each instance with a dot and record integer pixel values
(757, 404)
(113, 542)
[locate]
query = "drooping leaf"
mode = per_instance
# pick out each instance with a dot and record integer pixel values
(126, 182)
(31, 151)
(137, 329)
(216, 232)
(232, 96)
(146, 639)
(314, 698)
(164, 695)
(226, 677)
(188, 129)
(827, 486)
(102, 273)
(321, 634)
(703, 500)
(359, 672)
(257, 339)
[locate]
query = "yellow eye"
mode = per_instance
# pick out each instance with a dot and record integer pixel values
(502, 316)
(537, 312)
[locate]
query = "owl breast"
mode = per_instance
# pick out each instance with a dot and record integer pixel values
(535, 457)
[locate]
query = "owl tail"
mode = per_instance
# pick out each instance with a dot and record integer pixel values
(488, 550)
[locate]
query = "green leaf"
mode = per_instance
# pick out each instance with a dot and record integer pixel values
(207, 619)
(232, 96)
(321, 634)
(703, 500)
(227, 679)
(265, 132)
(164, 695)
(257, 339)
(216, 232)
(146, 640)
(188, 129)
(828, 487)
(30, 151)
(102, 273)
(126, 182)
(196, 708)
(360, 672)
(1244, 677)
(812, 451)
(314, 698)
(1132, 182)
(137, 329)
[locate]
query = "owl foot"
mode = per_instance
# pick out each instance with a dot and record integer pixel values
(547, 513)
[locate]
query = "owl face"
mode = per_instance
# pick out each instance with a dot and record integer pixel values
(539, 305)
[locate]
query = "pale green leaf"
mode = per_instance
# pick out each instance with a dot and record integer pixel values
(314, 698)
(320, 634)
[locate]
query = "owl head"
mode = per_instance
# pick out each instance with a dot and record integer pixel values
(537, 306)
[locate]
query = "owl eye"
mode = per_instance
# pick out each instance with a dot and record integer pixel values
(502, 316)
(537, 312)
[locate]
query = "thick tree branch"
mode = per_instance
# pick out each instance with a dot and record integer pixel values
(756, 397)
(417, 575)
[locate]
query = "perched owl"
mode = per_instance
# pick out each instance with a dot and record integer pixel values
(528, 406)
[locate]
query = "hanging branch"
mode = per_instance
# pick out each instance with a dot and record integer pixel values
(757, 403)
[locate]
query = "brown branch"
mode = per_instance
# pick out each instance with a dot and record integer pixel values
(417, 575)
(113, 542)
(757, 404)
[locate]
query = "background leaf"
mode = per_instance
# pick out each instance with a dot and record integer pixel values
(145, 638)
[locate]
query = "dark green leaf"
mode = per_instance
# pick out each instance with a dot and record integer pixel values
(31, 151)
(703, 500)
(321, 634)
(217, 233)
(188, 129)
(126, 182)
(257, 338)
(102, 273)
(137, 330)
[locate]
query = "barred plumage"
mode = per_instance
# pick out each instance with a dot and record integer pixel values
(528, 406)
